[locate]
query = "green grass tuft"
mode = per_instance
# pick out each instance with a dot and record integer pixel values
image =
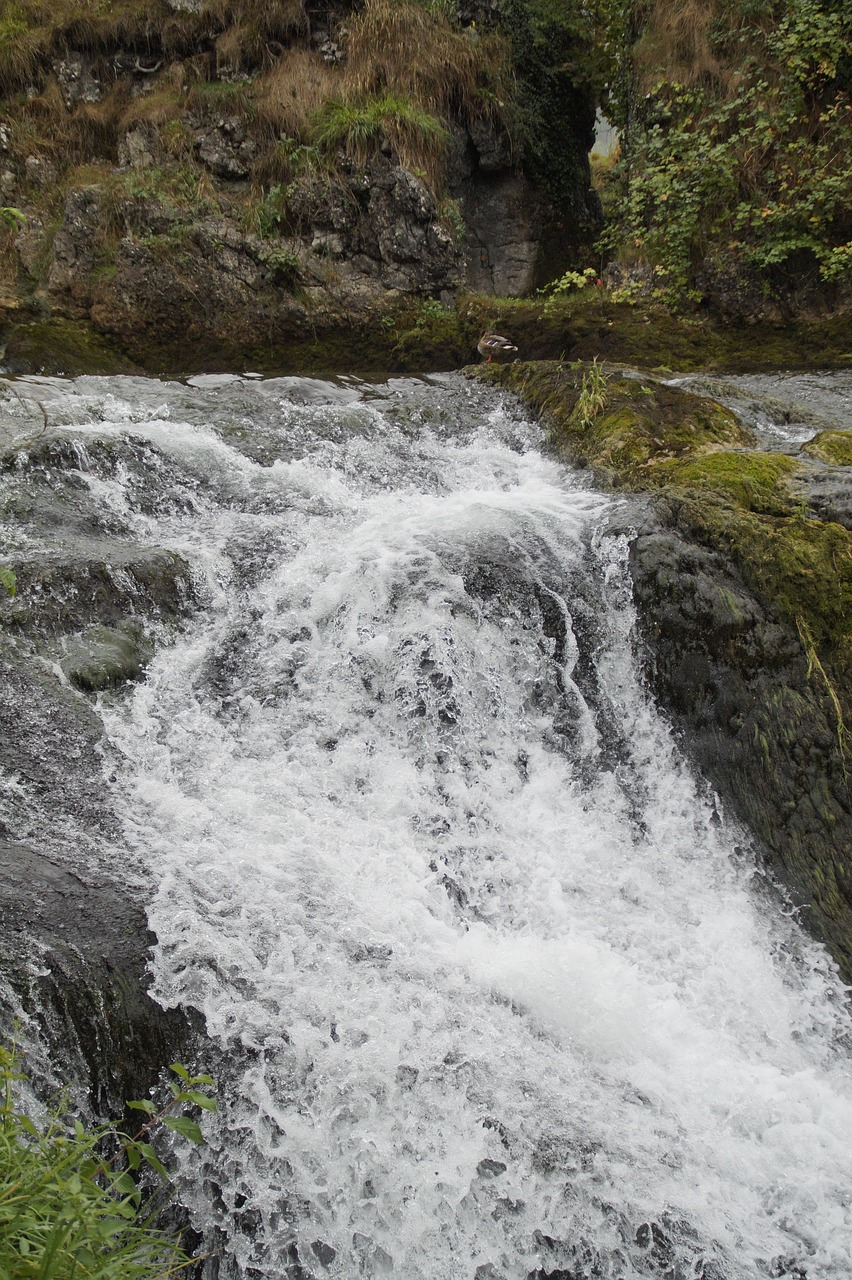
(69, 1204)
(419, 138)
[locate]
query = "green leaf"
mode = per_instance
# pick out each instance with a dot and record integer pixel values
(143, 1104)
(179, 1070)
(201, 1100)
(184, 1126)
(150, 1155)
(7, 580)
(125, 1185)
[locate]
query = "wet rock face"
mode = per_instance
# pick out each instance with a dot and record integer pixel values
(74, 943)
(506, 222)
(736, 681)
(507, 218)
(89, 941)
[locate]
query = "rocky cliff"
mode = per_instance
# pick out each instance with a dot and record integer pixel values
(198, 172)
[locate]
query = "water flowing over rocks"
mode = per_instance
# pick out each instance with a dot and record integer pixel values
(493, 983)
(490, 981)
(84, 619)
(745, 595)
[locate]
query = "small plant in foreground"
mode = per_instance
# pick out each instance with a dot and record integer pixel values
(12, 218)
(69, 1205)
(593, 394)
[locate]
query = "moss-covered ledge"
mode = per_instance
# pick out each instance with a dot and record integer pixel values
(745, 604)
(402, 334)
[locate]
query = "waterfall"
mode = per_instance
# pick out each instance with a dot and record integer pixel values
(495, 987)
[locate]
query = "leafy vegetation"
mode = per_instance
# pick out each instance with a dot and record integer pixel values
(12, 218)
(70, 1204)
(737, 155)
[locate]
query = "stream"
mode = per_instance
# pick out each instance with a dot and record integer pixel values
(494, 987)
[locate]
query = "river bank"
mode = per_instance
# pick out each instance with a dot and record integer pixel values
(407, 336)
(743, 578)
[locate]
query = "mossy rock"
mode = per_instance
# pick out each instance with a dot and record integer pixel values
(638, 427)
(745, 603)
(105, 657)
(589, 324)
(66, 592)
(62, 347)
(659, 438)
(751, 481)
(834, 447)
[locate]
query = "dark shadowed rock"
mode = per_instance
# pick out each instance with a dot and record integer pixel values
(75, 948)
(736, 680)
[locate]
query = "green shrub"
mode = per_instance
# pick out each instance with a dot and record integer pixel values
(748, 163)
(11, 217)
(69, 1203)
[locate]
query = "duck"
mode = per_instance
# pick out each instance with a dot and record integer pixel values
(493, 344)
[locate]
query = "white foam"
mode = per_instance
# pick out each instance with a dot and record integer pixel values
(428, 928)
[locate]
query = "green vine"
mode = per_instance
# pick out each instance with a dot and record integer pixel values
(754, 171)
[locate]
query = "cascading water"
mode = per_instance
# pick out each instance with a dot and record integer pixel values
(496, 989)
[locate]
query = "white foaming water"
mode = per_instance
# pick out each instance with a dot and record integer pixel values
(496, 990)
(783, 409)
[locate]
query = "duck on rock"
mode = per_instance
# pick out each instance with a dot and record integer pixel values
(492, 344)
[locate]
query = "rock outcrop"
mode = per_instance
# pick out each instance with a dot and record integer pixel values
(745, 599)
(195, 208)
(75, 942)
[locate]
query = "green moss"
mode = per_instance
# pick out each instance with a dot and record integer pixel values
(753, 481)
(428, 336)
(668, 441)
(834, 447)
(62, 347)
(803, 567)
(589, 324)
(105, 657)
(640, 427)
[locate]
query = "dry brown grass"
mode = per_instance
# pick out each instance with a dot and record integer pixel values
(162, 104)
(43, 127)
(34, 31)
(8, 267)
(22, 49)
(144, 26)
(290, 95)
(254, 34)
(402, 48)
(677, 44)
